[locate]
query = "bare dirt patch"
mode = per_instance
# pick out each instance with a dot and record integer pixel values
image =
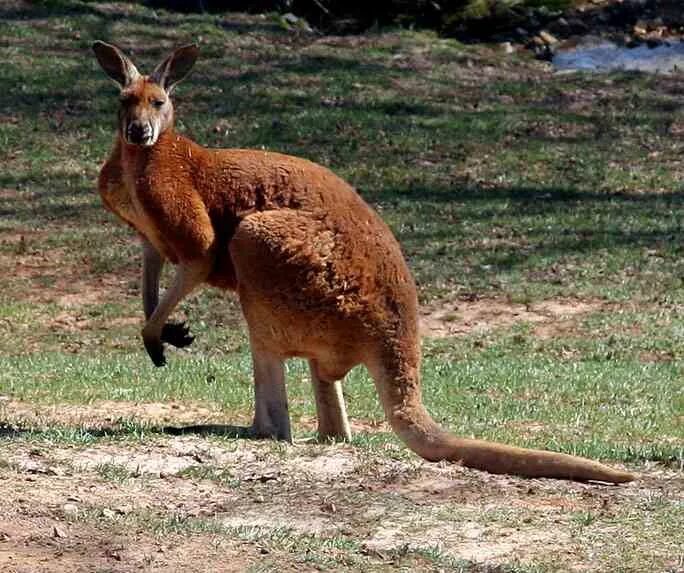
(51, 545)
(106, 413)
(152, 503)
(52, 280)
(479, 316)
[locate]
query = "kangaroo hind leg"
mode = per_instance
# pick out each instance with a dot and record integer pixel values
(332, 412)
(271, 415)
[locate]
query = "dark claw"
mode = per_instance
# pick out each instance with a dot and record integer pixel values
(155, 349)
(177, 334)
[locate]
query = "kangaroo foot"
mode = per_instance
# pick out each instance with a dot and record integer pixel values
(261, 432)
(177, 334)
(155, 350)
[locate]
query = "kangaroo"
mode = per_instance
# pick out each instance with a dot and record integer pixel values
(318, 274)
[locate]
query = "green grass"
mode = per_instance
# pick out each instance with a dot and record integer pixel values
(605, 409)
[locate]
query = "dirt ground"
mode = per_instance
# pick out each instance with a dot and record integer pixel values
(205, 503)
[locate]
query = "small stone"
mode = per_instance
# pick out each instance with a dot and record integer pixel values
(548, 38)
(70, 509)
(508, 48)
(108, 513)
(54, 471)
(58, 532)
(640, 28)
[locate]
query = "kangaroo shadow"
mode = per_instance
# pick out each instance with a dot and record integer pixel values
(225, 430)
(16, 430)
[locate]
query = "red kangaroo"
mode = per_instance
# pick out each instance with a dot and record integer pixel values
(318, 274)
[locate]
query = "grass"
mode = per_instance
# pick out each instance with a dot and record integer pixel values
(502, 182)
(604, 409)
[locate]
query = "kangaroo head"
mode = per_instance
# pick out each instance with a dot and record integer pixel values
(146, 110)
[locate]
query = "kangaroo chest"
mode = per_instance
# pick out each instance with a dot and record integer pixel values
(120, 195)
(144, 224)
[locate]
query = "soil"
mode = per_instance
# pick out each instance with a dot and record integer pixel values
(192, 503)
(462, 317)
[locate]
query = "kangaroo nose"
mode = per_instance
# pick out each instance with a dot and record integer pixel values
(138, 132)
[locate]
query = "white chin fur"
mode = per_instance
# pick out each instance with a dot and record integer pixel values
(147, 143)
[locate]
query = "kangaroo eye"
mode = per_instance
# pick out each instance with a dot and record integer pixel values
(158, 103)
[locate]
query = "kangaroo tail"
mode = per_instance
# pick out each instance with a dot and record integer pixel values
(398, 383)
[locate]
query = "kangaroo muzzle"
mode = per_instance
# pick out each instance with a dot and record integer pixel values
(139, 133)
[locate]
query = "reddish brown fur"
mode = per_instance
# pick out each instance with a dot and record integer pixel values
(318, 274)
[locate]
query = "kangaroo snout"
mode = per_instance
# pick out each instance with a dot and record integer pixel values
(140, 133)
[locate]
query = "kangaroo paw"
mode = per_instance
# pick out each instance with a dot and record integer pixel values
(155, 349)
(177, 334)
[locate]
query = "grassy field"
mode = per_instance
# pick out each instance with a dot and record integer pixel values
(542, 216)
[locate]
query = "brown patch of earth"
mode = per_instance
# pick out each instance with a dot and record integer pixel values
(50, 545)
(156, 505)
(108, 413)
(49, 279)
(480, 316)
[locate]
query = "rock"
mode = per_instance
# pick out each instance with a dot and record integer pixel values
(290, 18)
(578, 26)
(640, 28)
(548, 38)
(58, 532)
(54, 471)
(533, 23)
(70, 509)
(544, 52)
(108, 513)
(507, 48)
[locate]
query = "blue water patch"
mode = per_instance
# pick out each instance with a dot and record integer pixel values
(605, 57)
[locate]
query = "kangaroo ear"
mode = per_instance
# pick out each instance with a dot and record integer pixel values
(176, 67)
(115, 64)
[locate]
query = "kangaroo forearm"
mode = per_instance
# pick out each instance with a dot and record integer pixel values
(153, 263)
